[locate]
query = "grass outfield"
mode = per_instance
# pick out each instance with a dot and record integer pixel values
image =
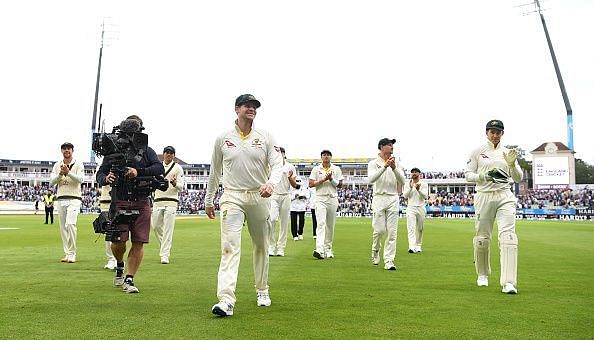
(432, 295)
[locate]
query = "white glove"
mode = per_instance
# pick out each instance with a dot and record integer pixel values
(510, 157)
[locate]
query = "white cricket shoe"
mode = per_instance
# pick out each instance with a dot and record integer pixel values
(418, 249)
(375, 259)
(263, 299)
(111, 265)
(164, 260)
(271, 252)
(222, 309)
(509, 288)
(280, 252)
(482, 281)
(118, 281)
(129, 287)
(295, 238)
(390, 266)
(300, 237)
(329, 254)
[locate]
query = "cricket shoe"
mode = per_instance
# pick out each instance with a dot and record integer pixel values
(509, 288)
(111, 265)
(118, 281)
(375, 259)
(482, 281)
(329, 255)
(300, 237)
(164, 260)
(222, 309)
(263, 299)
(295, 238)
(129, 286)
(411, 251)
(317, 255)
(390, 266)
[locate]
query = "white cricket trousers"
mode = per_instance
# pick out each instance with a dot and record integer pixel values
(279, 208)
(497, 206)
(385, 223)
(108, 251)
(326, 217)
(68, 214)
(163, 221)
(415, 222)
(237, 207)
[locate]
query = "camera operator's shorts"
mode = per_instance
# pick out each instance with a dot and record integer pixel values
(139, 231)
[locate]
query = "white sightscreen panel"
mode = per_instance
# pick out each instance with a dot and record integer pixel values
(551, 170)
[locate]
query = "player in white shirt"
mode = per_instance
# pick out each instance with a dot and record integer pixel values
(311, 206)
(165, 206)
(385, 176)
(493, 168)
(299, 197)
(416, 192)
(251, 165)
(280, 205)
(68, 174)
(325, 177)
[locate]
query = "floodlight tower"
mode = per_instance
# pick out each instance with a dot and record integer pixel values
(94, 122)
(559, 78)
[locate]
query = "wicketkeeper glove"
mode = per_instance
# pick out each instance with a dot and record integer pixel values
(498, 175)
(510, 157)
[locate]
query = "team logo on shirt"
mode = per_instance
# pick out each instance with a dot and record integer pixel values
(257, 143)
(229, 144)
(483, 155)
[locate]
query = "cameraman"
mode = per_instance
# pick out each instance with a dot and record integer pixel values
(148, 165)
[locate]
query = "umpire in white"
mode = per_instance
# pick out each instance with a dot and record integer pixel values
(493, 167)
(385, 176)
(251, 165)
(165, 207)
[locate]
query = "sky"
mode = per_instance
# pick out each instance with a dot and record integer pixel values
(335, 75)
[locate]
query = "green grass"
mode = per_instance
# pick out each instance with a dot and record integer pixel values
(432, 295)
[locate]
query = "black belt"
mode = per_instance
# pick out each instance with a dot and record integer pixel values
(68, 198)
(161, 199)
(105, 201)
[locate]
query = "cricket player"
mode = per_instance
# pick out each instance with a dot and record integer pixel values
(493, 167)
(416, 192)
(385, 176)
(325, 177)
(280, 205)
(68, 174)
(165, 207)
(251, 165)
(104, 203)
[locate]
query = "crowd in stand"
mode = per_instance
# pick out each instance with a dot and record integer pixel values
(355, 201)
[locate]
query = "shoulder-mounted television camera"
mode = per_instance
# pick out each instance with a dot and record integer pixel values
(124, 147)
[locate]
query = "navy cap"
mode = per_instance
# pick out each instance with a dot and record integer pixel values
(385, 141)
(66, 145)
(415, 170)
(244, 98)
(325, 152)
(169, 148)
(495, 124)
